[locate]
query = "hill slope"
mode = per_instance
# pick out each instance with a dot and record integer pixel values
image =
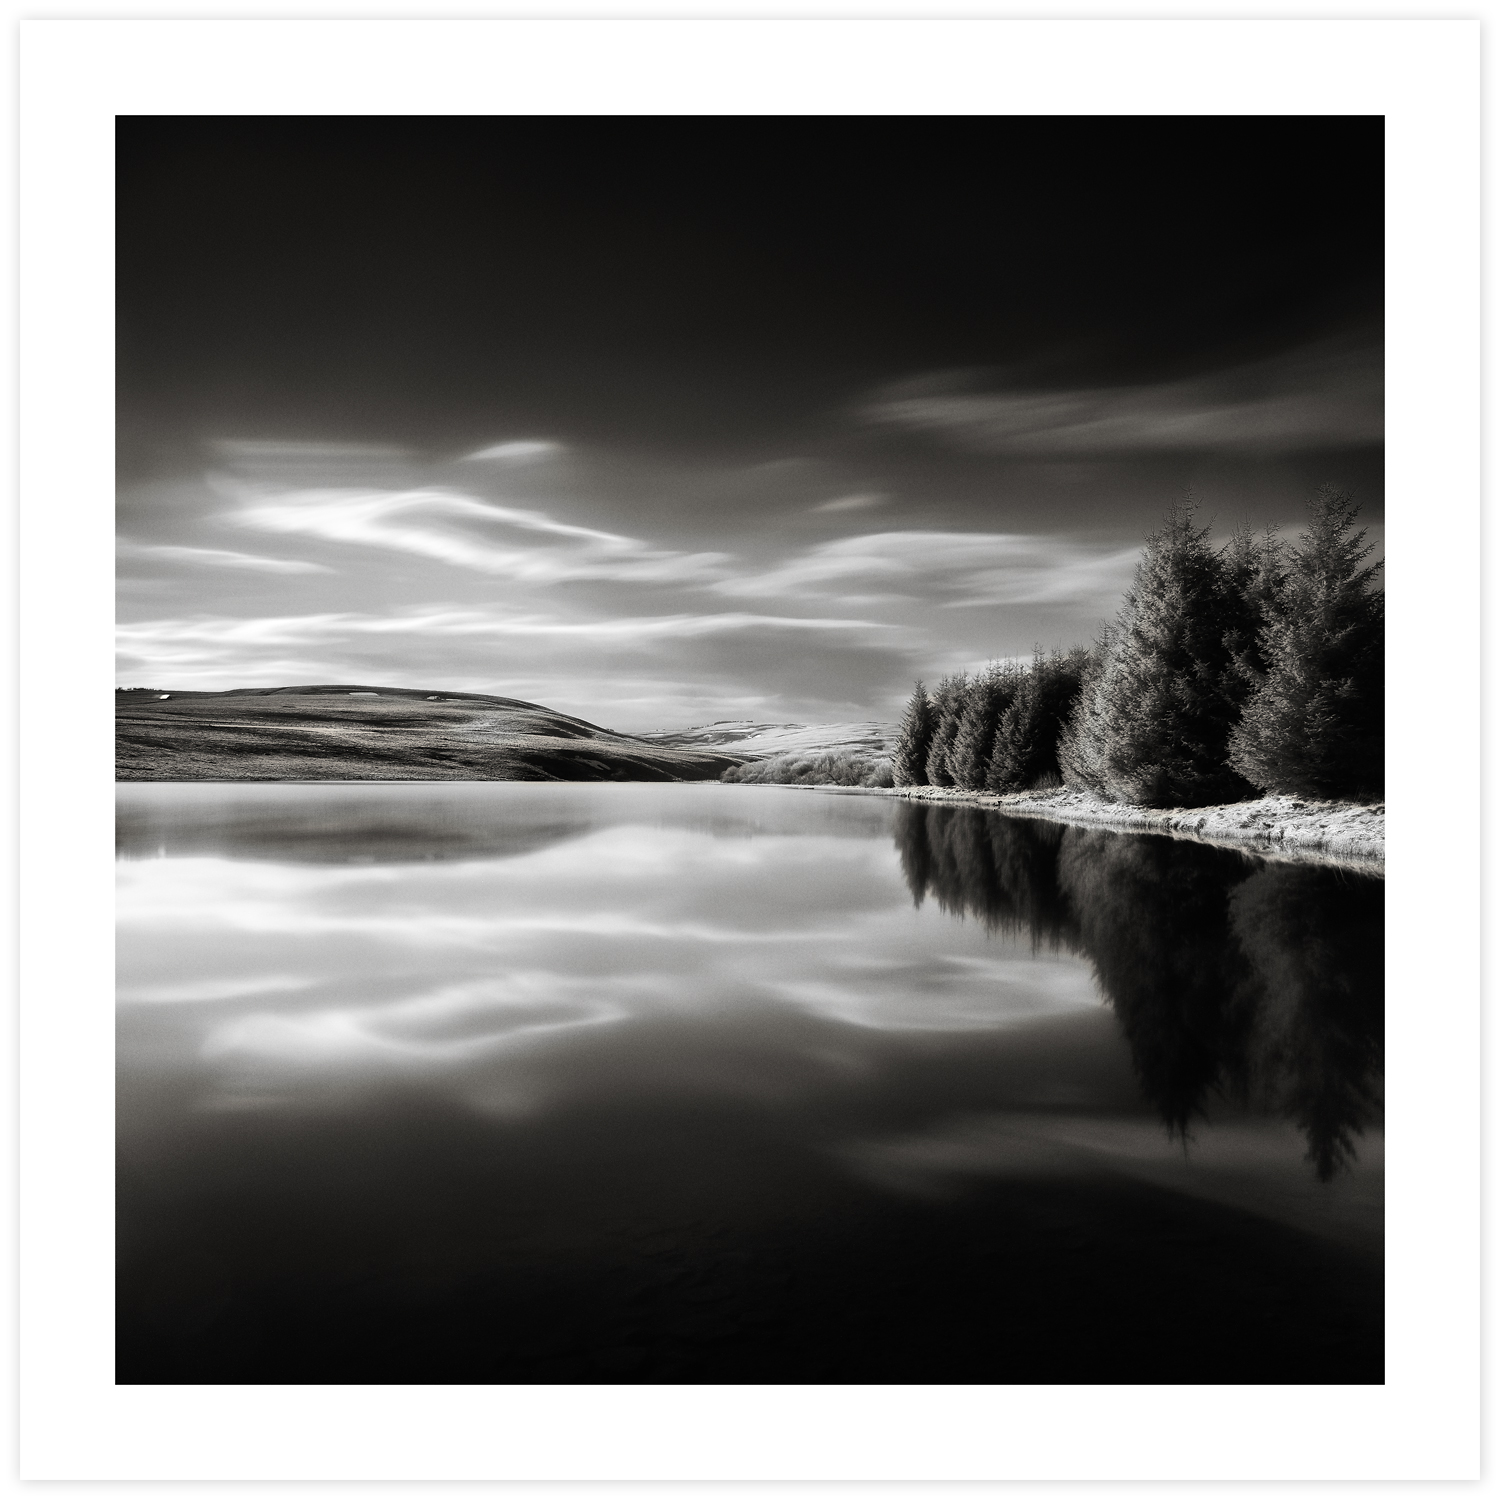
(349, 732)
(748, 738)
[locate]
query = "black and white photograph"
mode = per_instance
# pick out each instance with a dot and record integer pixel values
(750, 750)
(756, 667)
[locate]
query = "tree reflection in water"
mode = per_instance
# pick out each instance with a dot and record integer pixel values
(1231, 976)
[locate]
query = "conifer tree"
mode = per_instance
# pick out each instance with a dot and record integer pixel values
(1315, 724)
(1256, 571)
(989, 695)
(1025, 746)
(948, 706)
(1153, 727)
(1081, 742)
(914, 739)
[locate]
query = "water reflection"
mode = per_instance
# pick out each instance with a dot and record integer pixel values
(1232, 977)
(505, 948)
(507, 1082)
(396, 823)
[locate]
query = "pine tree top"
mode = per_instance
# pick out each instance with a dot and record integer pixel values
(1331, 552)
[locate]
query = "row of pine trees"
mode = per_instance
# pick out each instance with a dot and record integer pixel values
(1229, 672)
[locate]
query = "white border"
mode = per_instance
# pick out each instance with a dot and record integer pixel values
(75, 1424)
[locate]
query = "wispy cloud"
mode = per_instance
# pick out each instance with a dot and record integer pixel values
(645, 672)
(368, 564)
(214, 557)
(450, 527)
(215, 633)
(198, 991)
(952, 568)
(521, 452)
(277, 464)
(851, 502)
(1326, 395)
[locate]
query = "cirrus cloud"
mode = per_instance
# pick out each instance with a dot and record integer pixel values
(519, 452)
(951, 568)
(451, 527)
(1322, 396)
(211, 631)
(851, 502)
(213, 557)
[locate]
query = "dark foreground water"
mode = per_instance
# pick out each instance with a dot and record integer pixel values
(584, 1083)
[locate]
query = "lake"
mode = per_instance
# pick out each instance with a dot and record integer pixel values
(518, 1082)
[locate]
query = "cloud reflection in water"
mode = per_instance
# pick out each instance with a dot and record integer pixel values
(498, 1082)
(492, 979)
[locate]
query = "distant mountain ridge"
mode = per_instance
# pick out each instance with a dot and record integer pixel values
(750, 738)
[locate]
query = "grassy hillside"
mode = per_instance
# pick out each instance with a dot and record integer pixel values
(349, 732)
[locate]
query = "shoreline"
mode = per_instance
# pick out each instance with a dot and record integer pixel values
(1285, 828)
(1295, 829)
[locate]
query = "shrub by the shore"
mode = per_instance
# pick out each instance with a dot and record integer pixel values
(829, 768)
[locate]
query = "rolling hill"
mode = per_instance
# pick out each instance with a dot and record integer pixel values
(352, 732)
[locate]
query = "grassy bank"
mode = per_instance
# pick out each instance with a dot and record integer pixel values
(1291, 827)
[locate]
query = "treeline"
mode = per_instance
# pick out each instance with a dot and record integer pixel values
(1229, 672)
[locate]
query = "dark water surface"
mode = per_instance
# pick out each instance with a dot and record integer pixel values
(583, 1083)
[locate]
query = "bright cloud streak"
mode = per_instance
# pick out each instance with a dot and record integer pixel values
(202, 990)
(514, 453)
(294, 630)
(430, 523)
(960, 568)
(850, 502)
(214, 557)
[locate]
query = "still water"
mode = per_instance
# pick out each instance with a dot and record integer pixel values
(507, 1082)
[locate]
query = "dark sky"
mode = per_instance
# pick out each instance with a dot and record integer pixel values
(662, 420)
